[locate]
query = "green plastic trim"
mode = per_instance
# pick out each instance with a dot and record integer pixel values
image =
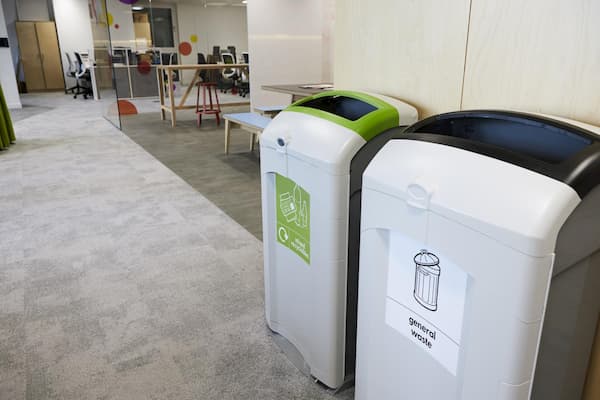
(368, 126)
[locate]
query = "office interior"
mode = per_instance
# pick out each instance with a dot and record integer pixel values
(131, 253)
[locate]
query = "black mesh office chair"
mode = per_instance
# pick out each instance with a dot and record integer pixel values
(231, 49)
(244, 84)
(229, 76)
(77, 89)
(84, 78)
(203, 73)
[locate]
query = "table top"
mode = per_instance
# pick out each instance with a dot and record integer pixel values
(200, 66)
(249, 119)
(299, 89)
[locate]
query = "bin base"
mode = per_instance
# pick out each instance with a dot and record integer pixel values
(292, 353)
(295, 357)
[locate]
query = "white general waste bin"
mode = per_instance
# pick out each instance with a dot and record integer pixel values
(312, 158)
(480, 263)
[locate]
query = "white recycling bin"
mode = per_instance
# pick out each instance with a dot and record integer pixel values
(480, 260)
(312, 156)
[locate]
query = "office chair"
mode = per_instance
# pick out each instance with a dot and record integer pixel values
(231, 49)
(214, 75)
(203, 73)
(216, 51)
(229, 76)
(77, 89)
(170, 59)
(84, 79)
(244, 85)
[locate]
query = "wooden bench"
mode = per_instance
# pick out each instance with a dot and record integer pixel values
(269, 111)
(251, 122)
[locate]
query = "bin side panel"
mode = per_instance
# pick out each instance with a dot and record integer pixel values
(305, 298)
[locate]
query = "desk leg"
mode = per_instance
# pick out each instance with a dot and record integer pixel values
(227, 134)
(171, 98)
(94, 82)
(189, 88)
(161, 91)
(252, 141)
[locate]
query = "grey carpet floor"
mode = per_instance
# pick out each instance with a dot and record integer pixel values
(120, 281)
(28, 110)
(232, 182)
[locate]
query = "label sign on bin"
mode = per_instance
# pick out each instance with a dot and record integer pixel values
(425, 301)
(293, 216)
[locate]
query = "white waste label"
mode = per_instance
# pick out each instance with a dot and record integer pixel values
(426, 296)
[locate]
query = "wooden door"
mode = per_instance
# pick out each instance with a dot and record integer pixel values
(30, 56)
(50, 55)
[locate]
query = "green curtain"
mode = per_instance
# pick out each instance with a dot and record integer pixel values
(7, 133)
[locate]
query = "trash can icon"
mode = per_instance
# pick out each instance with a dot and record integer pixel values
(427, 279)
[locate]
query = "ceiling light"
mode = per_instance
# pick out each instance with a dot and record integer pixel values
(137, 8)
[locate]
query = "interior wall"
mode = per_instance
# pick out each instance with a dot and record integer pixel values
(212, 26)
(413, 50)
(540, 55)
(121, 27)
(10, 17)
(327, 45)
(74, 29)
(34, 10)
(7, 72)
(537, 55)
(288, 42)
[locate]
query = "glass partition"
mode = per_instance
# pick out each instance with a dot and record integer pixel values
(103, 74)
(145, 35)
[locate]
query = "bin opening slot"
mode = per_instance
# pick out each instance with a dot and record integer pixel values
(533, 138)
(343, 106)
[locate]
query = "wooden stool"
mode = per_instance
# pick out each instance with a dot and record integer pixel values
(210, 108)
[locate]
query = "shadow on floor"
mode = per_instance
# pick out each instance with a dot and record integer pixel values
(232, 182)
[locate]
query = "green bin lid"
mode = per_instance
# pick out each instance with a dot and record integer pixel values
(364, 114)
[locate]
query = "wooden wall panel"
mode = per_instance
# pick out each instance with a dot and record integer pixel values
(413, 50)
(50, 55)
(40, 55)
(537, 55)
(30, 56)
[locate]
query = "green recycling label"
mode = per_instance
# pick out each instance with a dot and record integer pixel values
(293, 216)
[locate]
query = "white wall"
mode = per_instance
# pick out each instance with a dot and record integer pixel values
(289, 41)
(7, 71)
(124, 36)
(10, 17)
(33, 10)
(214, 26)
(74, 29)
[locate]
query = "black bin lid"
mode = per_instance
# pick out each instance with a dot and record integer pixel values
(557, 149)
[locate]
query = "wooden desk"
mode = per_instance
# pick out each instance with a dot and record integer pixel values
(297, 90)
(171, 107)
